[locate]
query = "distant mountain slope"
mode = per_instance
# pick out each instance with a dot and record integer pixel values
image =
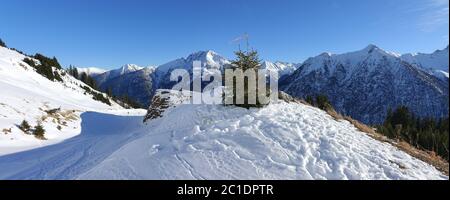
(366, 83)
(27, 95)
(283, 69)
(108, 75)
(138, 85)
(436, 63)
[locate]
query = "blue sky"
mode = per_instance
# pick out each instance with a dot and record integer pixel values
(110, 33)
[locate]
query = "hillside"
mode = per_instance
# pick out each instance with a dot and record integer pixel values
(27, 95)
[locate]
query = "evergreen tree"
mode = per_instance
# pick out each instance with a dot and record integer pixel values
(426, 133)
(45, 68)
(246, 60)
(109, 92)
(310, 100)
(2, 44)
(75, 72)
(83, 77)
(39, 131)
(322, 102)
(29, 62)
(24, 126)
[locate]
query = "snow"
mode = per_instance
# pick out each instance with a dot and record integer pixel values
(437, 60)
(101, 134)
(91, 71)
(282, 68)
(208, 58)
(370, 55)
(26, 95)
(281, 141)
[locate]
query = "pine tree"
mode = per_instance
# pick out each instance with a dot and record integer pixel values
(24, 126)
(39, 132)
(75, 72)
(310, 100)
(247, 60)
(83, 77)
(2, 44)
(424, 133)
(109, 92)
(322, 102)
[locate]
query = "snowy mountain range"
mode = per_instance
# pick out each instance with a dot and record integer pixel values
(108, 75)
(365, 84)
(140, 83)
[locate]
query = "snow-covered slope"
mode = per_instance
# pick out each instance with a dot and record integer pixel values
(436, 63)
(26, 95)
(281, 141)
(365, 84)
(91, 71)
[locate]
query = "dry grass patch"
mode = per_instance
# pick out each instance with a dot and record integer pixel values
(6, 131)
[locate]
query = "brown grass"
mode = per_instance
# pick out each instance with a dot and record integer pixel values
(6, 131)
(334, 114)
(59, 117)
(426, 156)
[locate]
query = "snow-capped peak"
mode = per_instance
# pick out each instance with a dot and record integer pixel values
(374, 49)
(371, 53)
(209, 59)
(280, 67)
(125, 69)
(129, 68)
(325, 54)
(371, 47)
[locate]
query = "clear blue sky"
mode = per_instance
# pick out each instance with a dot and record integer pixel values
(110, 33)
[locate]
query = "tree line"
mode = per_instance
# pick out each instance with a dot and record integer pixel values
(45, 66)
(424, 133)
